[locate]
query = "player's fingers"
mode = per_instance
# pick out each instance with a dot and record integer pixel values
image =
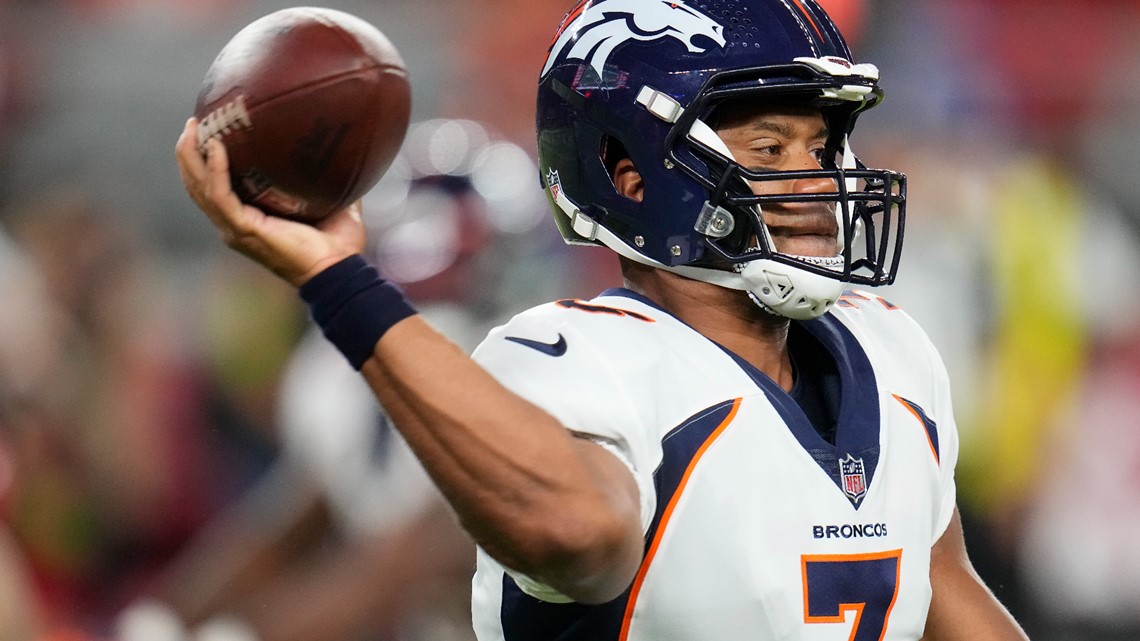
(216, 181)
(195, 172)
(236, 221)
(191, 165)
(207, 178)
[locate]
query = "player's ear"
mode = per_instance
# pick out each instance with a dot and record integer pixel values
(628, 180)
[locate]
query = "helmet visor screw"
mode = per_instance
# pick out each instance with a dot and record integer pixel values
(639, 241)
(676, 249)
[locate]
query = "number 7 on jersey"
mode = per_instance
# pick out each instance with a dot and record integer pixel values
(864, 583)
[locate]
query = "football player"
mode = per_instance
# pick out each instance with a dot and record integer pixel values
(727, 447)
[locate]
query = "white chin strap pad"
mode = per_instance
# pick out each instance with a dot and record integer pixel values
(790, 291)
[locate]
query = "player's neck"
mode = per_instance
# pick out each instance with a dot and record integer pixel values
(723, 315)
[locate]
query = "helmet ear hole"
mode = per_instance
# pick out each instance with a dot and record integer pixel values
(612, 152)
(623, 173)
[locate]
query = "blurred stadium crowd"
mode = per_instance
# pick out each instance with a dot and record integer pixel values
(160, 399)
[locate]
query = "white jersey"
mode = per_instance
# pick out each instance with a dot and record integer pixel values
(755, 526)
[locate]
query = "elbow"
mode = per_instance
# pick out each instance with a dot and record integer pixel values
(589, 560)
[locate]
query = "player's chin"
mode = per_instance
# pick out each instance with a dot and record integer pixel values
(807, 245)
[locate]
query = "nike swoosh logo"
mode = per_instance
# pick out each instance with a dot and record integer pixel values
(557, 348)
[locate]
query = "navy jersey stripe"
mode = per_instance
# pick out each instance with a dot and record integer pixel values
(679, 447)
(526, 618)
(927, 423)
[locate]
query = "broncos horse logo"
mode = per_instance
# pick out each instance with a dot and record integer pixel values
(601, 26)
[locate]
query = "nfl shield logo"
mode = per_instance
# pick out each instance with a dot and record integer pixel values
(853, 478)
(553, 183)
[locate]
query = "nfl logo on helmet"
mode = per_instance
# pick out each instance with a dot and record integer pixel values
(853, 478)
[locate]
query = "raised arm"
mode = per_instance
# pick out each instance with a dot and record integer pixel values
(557, 508)
(962, 608)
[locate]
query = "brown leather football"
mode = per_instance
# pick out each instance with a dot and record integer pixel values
(312, 105)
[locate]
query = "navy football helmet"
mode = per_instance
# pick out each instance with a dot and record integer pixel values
(641, 78)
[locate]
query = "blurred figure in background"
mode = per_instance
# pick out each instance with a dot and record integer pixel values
(1075, 550)
(346, 538)
(102, 403)
(126, 432)
(1078, 549)
(453, 216)
(26, 324)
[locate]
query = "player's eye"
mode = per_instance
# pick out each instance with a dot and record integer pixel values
(766, 154)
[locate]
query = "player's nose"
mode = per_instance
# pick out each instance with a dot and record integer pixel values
(809, 161)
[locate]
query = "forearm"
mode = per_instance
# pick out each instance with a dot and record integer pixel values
(969, 612)
(533, 496)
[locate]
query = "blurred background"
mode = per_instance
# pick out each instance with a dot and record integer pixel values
(149, 376)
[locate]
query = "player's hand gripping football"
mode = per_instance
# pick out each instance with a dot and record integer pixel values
(292, 250)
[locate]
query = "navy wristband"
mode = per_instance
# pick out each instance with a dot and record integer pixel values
(354, 307)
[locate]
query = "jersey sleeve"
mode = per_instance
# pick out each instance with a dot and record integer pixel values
(931, 383)
(943, 411)
(580, 387)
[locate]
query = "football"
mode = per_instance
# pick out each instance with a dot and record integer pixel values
(312, 105)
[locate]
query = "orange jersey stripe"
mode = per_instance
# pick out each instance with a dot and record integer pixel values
(665, 516)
